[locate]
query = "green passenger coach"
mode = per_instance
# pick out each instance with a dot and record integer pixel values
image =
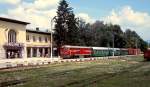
(101, 52)
(124, 51)
(116, 51)
(104, 51)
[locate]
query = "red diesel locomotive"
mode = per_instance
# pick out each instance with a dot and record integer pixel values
(67, 51)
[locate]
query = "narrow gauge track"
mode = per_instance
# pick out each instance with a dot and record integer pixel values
(98, 78)
(83, 82)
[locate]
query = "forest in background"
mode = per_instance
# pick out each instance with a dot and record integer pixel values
(70, 30)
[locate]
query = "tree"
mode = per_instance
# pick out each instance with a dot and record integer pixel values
(73, 30)
(85, 34)
(98, 33)
(60, 30)
(134, 40)
(119, 40)
(143, 45)
(66, 29)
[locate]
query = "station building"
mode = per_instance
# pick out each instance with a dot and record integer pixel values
(37, 43)
(18, 42)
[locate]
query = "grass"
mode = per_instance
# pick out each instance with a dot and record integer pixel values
(130, 71)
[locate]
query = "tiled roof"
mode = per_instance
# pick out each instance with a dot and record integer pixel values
(37, 31)
(13, 21)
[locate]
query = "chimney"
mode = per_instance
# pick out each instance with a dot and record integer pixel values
(37, 28)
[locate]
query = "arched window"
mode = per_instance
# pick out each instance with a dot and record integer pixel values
(11, 36)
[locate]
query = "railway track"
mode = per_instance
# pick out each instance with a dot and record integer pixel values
(98, 78)
(88, 79)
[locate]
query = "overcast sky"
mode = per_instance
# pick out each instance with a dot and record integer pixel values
(132, 14)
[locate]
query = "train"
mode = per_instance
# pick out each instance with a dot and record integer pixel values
(147, 54)
(68, 51)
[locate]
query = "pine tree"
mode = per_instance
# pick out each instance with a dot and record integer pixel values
(66, 29)
(73, 30)
(60, 30)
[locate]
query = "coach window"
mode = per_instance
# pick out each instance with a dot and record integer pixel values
(12, 36)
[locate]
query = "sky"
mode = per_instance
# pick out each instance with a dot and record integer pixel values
(129, 14)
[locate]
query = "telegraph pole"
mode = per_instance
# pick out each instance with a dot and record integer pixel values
(52, 20)
(136, 46)
(113, 44)
(51, 38)
(148, 43)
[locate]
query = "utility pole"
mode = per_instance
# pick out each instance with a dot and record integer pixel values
(52, 20)
(113, 44)
(51, 38)
(136, 46)
(148, 43)
(108, 49)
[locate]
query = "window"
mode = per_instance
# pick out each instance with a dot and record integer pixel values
(46, 39)
(40, 52)
(28, 38)
(34, 52)
(28, 52)
(34, 39)
(46, 52)
(40, 39)
(12, 36)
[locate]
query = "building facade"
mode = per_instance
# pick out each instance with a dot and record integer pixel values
(38, 44)
(18, 42)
